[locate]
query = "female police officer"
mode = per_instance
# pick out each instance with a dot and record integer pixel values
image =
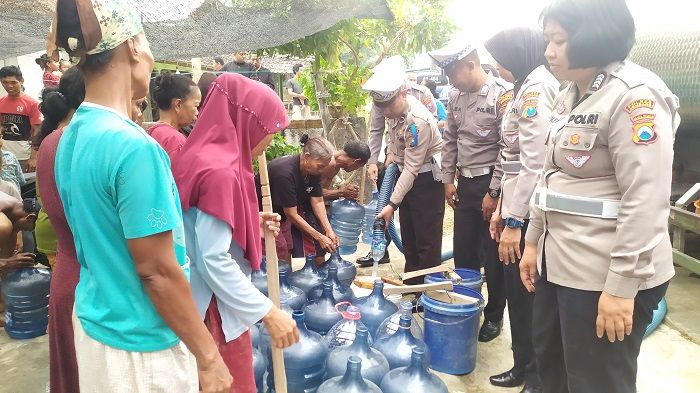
(414, 141)
(599, 228)
(519, 53)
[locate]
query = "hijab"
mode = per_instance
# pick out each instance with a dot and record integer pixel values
(214, 170)
(519, 50)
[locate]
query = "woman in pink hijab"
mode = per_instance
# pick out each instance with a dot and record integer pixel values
(223, 227)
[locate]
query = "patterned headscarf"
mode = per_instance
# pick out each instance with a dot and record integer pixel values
(105, 24)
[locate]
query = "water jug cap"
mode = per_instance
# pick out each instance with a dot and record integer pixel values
(406, 306)
(405, 321)
(348, 311)
(298, 315)
(417, 356)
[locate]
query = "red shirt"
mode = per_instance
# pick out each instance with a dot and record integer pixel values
(51, 79)
(169, 138)
(17, 116)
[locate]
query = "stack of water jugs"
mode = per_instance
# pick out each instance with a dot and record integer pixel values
(346, 344)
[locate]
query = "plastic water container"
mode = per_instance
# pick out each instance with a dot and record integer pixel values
(375, 364)
(304, 362)
(452, 329)
(414, 378)
(469, 278)
(391, 324)
(370, 214)
(344, 331)
(351, 382)
(26, 296)
(346, 221)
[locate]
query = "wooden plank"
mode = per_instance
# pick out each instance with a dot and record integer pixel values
(686, 261)
(684, 219)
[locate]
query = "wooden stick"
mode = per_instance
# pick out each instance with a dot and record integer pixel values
(445, 267)
(273, 280)
(446, 285)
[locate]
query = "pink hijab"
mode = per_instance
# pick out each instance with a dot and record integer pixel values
(214, 170)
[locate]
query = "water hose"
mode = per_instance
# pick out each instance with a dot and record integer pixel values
(391, 173)
(657, 317)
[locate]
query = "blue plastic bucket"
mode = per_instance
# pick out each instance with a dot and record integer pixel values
(451, 332)
(470, 278)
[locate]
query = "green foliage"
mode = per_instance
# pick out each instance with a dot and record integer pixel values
(343, 85)
(345, 53)
(278, 148)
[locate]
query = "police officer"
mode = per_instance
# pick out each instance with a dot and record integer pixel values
(376, 138)
(519, 53)
(471, 145)
(414, 143)
(599, 228)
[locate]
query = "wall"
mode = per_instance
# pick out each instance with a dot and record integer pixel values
(32, 73)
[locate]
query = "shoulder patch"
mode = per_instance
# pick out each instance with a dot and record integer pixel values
(503, 100)
(530, 95)
(644, 129)
(411, 136)
(598, 81)
(640, 103)
(530, 108)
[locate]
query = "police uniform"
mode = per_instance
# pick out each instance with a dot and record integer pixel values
(470, 151)
(415, 142)
(377, 125)
(523, 136)
(600, 219)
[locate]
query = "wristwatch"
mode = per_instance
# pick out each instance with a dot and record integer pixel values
(495, 193)
(393, 205)
(513, 223)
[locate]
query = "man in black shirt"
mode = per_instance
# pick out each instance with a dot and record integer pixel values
(297, 196)
(261, 74)
(238, 65)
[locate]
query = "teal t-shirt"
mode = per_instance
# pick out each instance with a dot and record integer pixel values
(115, 184)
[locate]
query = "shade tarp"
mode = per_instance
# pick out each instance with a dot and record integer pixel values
(182, 29)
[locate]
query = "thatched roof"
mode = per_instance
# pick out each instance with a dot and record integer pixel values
(181, 29)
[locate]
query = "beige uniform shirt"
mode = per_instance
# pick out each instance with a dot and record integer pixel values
(412, 147)
(473, 129)
(523, 136)
(616, 143)
(377, 124)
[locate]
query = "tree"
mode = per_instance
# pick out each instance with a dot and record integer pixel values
(344, 54)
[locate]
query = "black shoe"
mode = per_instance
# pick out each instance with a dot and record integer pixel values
(367, 260)
(508, 379)
(490, 330)
(531, 389)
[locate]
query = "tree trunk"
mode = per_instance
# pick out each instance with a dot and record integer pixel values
(321, 95)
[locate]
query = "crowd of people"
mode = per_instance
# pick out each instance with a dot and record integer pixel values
(557, 163)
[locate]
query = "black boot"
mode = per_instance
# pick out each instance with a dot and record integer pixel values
(508, 379)
(490, 330)
(367, 260)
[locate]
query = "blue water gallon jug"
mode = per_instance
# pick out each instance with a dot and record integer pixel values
(295, 297)
(259, 367)
(346, 221)
(341, 292)
(343, 333)
(26, 295)
(259, 277)
(307, 277)
(304, 362)
(370, 214)
(375, 308)
(264, 339)
(321, 314)
(346, 269)
(374, 364)
(351, 382)
(398, 347)
(414, 378)
(391, 324)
